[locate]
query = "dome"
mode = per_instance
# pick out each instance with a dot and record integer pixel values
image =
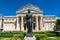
(29, 7)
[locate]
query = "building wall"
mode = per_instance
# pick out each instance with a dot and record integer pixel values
(9, 27)
(49, 23)
(9, 24)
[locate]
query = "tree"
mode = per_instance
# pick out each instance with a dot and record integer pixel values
(58, 23)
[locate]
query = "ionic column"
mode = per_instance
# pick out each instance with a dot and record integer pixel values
(36, 23)
(17, 28)
(41, 23)
(22, 26)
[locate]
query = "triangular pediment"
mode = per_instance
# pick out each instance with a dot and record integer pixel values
(30, 7)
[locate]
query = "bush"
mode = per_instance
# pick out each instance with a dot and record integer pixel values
(10, 34)
(6, 35)
(39, 32)
(38, 36)
(57, 33)
(21, 36)
(51, 34)
(18, 35)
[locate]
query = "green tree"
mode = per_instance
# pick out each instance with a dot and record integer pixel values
(58, 23)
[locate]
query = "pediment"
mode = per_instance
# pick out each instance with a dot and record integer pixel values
(30, 7)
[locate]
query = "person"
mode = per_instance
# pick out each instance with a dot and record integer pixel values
(54, 28)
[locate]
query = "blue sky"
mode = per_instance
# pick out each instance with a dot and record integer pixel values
(49, 7)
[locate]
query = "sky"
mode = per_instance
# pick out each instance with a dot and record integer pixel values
(49, 7)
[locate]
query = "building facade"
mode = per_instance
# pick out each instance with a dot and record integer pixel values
(18, 22)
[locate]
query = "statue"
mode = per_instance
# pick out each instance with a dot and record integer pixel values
(29, 23)
(29, 26)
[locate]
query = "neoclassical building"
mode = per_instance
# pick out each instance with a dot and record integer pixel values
(18, 22)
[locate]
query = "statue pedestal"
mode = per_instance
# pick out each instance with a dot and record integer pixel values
(30, 38)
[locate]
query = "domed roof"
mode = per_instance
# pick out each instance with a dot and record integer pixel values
(29, 7)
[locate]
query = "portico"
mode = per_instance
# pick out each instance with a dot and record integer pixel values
(21, 23)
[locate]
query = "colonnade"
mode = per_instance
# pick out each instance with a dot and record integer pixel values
(22, 24)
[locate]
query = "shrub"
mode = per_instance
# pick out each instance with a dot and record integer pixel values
(19, 36)
(38, 36)
(57, 33)
(51, 34)
(6, 35)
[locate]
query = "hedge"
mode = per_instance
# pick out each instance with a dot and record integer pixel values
(11, 34)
